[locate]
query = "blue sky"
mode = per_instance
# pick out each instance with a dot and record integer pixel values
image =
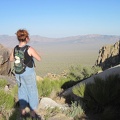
(60, 18)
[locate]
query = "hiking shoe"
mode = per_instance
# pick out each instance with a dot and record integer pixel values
(36, 117)
(24, 117)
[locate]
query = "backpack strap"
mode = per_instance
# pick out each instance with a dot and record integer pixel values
(33, 63)
(23, 48)
(14, 50)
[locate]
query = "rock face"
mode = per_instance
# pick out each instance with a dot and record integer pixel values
(109, 56)
(4, 61)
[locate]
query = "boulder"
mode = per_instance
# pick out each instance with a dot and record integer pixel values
(4, 61)
(49, 103)
(109, 56)
(38, 78)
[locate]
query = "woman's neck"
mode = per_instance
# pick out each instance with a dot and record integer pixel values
(21, 44)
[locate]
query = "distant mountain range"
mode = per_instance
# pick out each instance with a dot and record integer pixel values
(92, 41)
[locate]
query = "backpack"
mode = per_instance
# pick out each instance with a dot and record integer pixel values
(19, 66)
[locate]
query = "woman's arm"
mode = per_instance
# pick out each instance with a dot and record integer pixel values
(33, 52)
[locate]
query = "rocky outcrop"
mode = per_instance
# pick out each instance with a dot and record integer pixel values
(4, 61)
(53, 76)
(108, 56)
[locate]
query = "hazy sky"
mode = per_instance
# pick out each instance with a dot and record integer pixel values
(60, 18)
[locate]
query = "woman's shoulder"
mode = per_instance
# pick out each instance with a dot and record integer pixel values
(31, 48)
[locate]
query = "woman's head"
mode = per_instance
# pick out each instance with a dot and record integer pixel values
(22, 35)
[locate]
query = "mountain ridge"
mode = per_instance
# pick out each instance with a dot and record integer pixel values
(11, 41)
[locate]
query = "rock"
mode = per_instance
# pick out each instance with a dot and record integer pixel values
(53, 76)
(6, 88)
(46, 103)
(4, 61)
(108, 56)
(38, 78)
(49, 103)
(10, 79)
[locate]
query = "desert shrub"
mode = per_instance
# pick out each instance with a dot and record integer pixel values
(75, 110)
(3, 83)
(101, 95)
(14, 90)
(79, 72)
(46, 86)
(6, 100)
(52, 111)
(79, 90)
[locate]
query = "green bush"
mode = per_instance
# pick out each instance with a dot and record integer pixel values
(79, 90)
(75, 110)
(46, 86)
(14, 91)
(3, 83)
(101, 95)
(51, 112)
(6, 100)
(79, 72)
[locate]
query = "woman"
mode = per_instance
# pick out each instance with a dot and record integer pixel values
(27, 88)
